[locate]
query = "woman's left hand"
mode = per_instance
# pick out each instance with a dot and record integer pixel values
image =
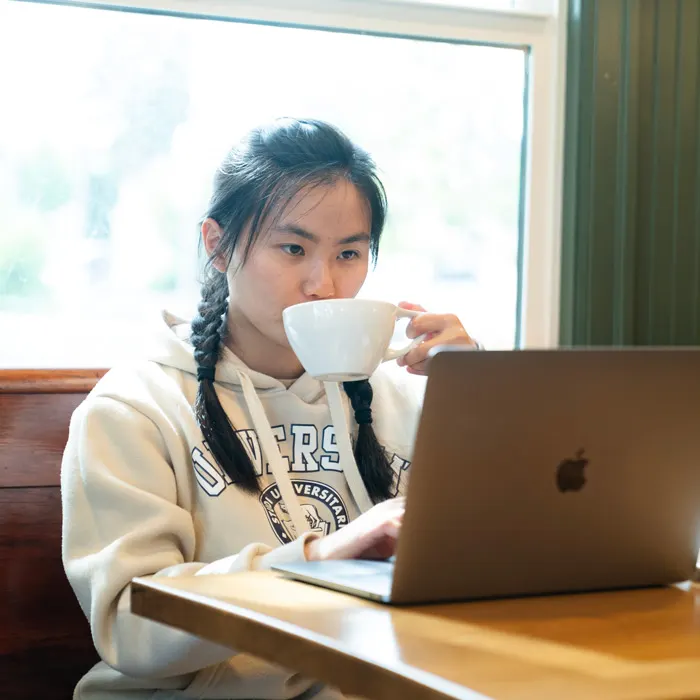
(439, 329)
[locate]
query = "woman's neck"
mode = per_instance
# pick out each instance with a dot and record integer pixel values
(259, 352)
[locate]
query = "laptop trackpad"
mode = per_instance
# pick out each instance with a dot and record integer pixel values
(371, 579)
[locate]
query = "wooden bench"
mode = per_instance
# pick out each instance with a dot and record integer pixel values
(45, 643)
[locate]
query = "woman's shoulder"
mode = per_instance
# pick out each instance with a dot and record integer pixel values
(145, 386)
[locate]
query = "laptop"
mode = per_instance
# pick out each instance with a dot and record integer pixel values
(543, 471)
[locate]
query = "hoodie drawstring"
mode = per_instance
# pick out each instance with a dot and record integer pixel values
(272, 454)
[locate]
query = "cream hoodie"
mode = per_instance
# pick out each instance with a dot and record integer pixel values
(142, 495)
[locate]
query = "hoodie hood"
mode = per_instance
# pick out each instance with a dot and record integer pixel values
(172, 348)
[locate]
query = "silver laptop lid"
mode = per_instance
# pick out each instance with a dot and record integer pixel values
(553, 470)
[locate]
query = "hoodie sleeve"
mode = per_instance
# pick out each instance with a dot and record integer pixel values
(121, 519)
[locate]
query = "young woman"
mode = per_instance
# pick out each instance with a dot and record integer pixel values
(167, 469)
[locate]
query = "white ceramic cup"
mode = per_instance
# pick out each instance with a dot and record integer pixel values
(342, 340)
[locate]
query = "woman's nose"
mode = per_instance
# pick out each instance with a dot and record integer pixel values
(319, 284)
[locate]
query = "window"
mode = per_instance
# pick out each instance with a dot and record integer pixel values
(527, 7)
(116, 127)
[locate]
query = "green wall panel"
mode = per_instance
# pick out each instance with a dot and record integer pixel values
(631, 226)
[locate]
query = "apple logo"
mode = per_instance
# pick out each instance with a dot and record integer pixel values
(570, 476)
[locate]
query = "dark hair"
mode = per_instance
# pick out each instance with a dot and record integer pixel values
(257, 179)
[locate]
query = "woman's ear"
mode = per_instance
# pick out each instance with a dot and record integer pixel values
(211, 237)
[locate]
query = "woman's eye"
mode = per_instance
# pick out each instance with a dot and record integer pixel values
(293, 249)
(349, 254)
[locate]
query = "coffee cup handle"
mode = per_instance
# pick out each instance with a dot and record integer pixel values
(395, 353)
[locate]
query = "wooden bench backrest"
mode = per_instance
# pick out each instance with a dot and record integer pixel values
(45, 643)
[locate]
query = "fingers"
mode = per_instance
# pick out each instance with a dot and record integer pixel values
(434, 324)
(383, 544)
(381, 550)
(381, 523)
(438, 329)
(392, 528)
(411, 307)
(420, 369)
(419, 354)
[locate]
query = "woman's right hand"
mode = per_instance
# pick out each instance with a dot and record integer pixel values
(373, 535)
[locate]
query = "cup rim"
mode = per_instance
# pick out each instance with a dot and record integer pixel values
(374, 302)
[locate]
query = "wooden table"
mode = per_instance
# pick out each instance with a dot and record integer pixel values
(631, 645)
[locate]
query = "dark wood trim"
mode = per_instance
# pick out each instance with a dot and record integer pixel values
(49, 381)
(45, 642)
(33, 435)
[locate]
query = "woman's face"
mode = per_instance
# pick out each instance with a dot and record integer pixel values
(319, 248)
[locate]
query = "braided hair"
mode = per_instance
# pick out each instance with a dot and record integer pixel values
(371, 458)
(257, 179)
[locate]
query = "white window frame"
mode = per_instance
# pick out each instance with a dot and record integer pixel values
(538, 25)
